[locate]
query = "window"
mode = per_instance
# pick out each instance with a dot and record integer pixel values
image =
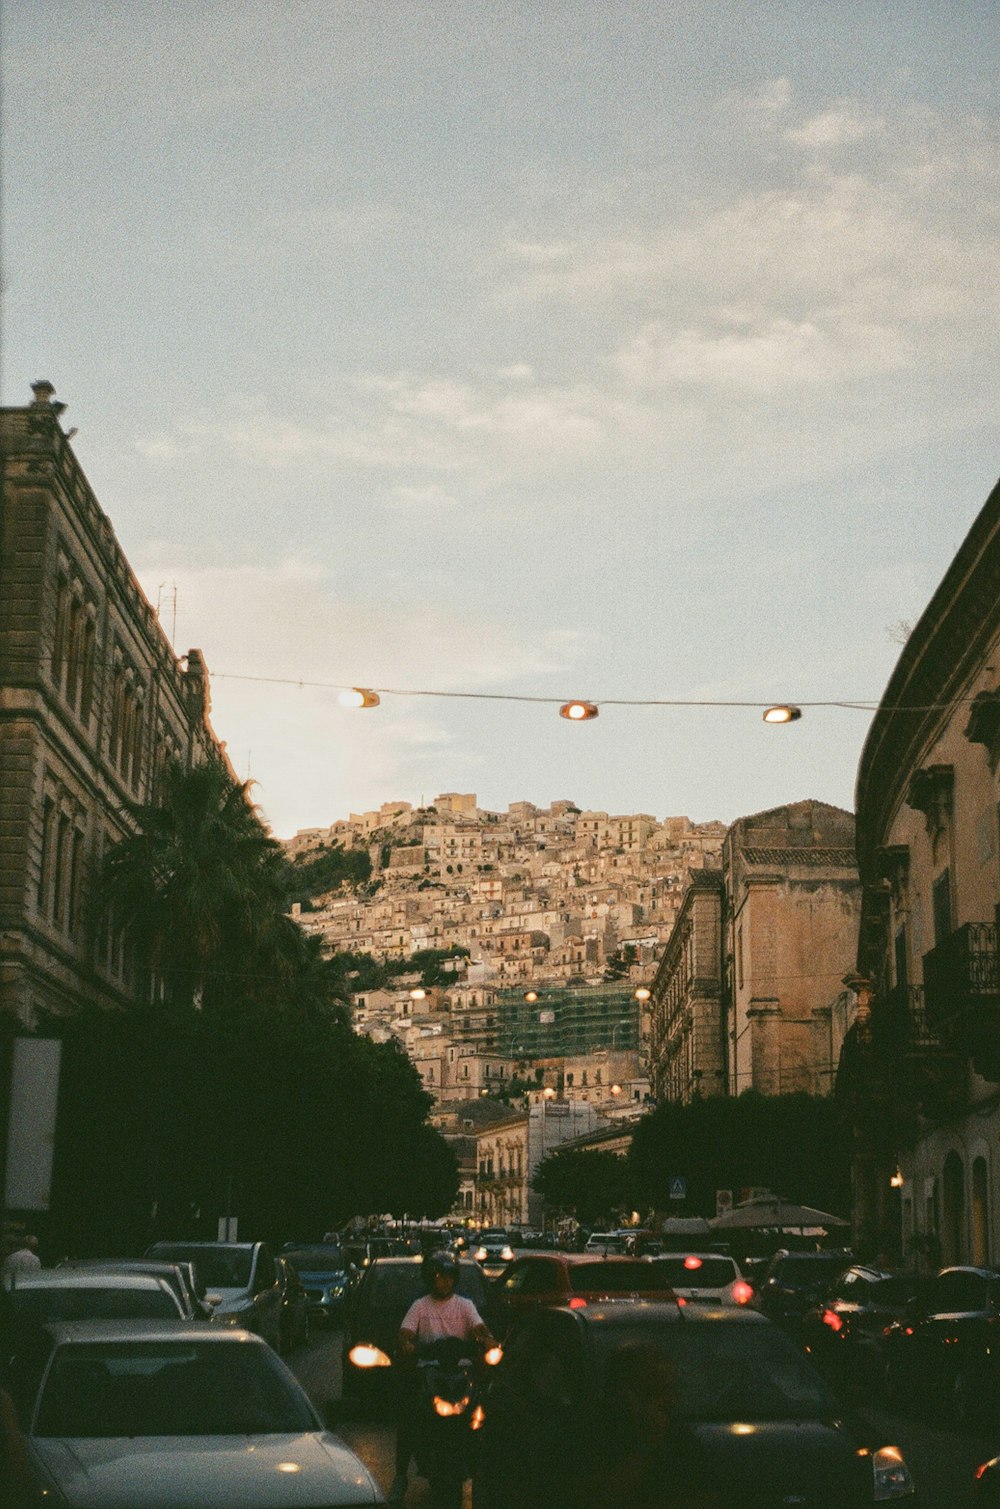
(942, 907)
(46, 857)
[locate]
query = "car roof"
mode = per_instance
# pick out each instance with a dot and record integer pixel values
(572, 1259)
(87, 1278)
(178, 1243)
(75, 1331)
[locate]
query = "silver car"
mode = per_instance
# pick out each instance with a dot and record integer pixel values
(158, 1416)
(239, 1279)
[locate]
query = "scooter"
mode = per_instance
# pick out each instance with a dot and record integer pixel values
(448, 1415)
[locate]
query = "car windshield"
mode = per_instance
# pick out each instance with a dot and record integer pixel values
(35, 1307)
(696, 1273)
(217, 1267)
(618, 1278)
(315, 1259)
(169, 1389)
(734, 1372)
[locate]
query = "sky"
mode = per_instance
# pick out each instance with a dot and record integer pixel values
(639, 352)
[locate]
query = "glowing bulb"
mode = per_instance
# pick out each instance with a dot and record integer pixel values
(642, 994)
(531, 995)
(782, 713)
(578, 711)
(359, 696)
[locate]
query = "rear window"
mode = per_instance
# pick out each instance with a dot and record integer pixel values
(315, 1259)
(704, 1273)
(35, 1307)
(731, 1372)
(618, 1278)
(217, 1267)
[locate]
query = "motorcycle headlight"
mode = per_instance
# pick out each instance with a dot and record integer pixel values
(447, 1407)
(493, 1356)
(364, 1355)
(892, 1476)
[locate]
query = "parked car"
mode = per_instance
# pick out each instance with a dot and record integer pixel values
(986, 1484)
(142, 1415)
(294, 1324)
(795, 1281)
(51, 1294)
(543, 1279)
(181, 1275)
(325, 1275)
(240, 1279)
(707, 1277)
(641, 1402)
(375, 1310)
(945, 1349)
(845, 1331)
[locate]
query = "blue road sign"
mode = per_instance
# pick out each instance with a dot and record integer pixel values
(678, 1189)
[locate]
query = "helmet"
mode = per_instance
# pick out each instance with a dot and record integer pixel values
(445, 1263)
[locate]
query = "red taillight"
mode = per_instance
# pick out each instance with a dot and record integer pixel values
(692, 1262)
(681, 1300)
(576, 1303)
(742, 1292)
(833, 1320)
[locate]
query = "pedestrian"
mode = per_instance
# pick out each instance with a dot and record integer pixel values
(23, 1259)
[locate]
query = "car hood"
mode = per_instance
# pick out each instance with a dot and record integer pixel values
(215, 1472)
(805, 1463)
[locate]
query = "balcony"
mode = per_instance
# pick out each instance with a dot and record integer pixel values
(962, 989)
(916, 1063)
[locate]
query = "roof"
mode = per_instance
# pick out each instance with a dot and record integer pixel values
(804, 856)
(87, 1278)
(180, 1331)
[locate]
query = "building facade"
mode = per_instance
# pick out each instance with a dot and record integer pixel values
(93, 706)
(921, 1064)
(687, 1048)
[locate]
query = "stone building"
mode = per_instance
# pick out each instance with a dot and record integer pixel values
(749, 992)
(93, 704)
(792, 905)
(687, 1048)
(921, 1064)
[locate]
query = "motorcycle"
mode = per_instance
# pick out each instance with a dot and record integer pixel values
(448, 1415)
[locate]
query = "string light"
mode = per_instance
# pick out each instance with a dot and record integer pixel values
(579, 712)
(783, 712)
(359, 696)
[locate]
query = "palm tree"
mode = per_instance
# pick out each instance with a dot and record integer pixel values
(197, 888)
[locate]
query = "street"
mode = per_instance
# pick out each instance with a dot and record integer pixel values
(942, 1462)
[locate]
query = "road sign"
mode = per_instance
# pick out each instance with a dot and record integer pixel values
(678, 1189)
(723, 1201)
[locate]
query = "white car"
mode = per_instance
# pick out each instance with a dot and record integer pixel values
(119, 1415)
(707, 1276)
(239, 1279)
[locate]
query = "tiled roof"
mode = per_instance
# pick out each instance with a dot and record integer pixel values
(844, 858)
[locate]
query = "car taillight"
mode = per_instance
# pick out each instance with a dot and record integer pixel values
(576, 1303)
(742, 1292)
(681, 1300)
(692, 1263)
(833, 1320)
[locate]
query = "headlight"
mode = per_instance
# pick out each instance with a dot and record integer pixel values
(892, 1476)
(481, 1254)
(364, 1355)
(445, 1408)
(506, 1255)
(493, 1356)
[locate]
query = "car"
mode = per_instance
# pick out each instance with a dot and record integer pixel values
(944, 1352)
(706, 1277)
(542, 1279)
(492, 1252)
(143, 1415)
(986, 1483)
(181, 1275)
(325, 1275)
(294, 1326)
(240, 1280)
(794, 1281)
(845, 1331)
(637, 1402)
(51, 1294)
(375, 1310)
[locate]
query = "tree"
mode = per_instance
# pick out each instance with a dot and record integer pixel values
(197, 887)
(797, 1145)
(591, 1185)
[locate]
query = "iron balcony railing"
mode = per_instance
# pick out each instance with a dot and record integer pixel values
(961, 977)
(900, 1023)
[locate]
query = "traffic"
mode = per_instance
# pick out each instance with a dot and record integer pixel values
(429, 1370)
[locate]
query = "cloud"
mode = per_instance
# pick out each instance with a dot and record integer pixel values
(842, 125)
(278, 643)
